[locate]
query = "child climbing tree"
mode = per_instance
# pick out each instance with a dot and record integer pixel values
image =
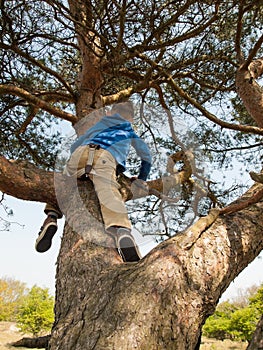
(64, 61)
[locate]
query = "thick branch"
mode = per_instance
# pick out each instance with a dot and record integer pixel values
(240, 56)
(126, 93)
(23, 180)
(243, 203)
(252, 53)
(250, 91)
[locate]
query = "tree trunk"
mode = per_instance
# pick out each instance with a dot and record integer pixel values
(90, 76)
(257, 341)
(250, 91)
(160, 302)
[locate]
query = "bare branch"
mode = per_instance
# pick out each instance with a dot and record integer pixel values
(212, 117)
(37, 63)
(255, 196)
(23, 180)
(240, 56)
(252, 53)
(37, 102)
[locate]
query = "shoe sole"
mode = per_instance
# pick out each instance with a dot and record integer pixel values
(127, 250)
(44, 241)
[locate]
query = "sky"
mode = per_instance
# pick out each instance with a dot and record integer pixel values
(20, 261)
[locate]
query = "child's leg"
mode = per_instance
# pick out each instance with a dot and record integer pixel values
(113, 208)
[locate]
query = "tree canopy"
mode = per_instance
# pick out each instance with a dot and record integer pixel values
(11, 296)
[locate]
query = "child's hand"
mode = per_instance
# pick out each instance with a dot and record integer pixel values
(139, 188)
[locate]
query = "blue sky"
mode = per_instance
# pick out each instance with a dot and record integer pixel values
(20, 261)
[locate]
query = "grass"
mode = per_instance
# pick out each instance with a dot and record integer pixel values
(213, 344)
(9, 334)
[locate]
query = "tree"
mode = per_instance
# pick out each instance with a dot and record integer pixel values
(256, 342)
(197, 59)
(256, 300)
(35, 315)
(11, 296)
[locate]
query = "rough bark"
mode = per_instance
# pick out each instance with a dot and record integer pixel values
(90, 76)
(160, 302)
(257, 341)
(250, 91)
(25, 181)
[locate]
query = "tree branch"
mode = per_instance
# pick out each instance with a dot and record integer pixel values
(193, 102)
(240, 56)
(37, 63)
(212, 117)
(23, 180)
(252, 53)
(16, 91)
(125, 94)
(252, 197)
(145, 46)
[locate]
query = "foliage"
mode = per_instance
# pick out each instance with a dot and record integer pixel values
(11, 296)
(243, 323)
(256, 300)
(235, 321)
(35, 315)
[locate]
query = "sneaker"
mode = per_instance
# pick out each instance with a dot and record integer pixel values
(126, 245)
(47, 231)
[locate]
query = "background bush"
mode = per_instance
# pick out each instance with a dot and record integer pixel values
(236, 320)
(32, 309)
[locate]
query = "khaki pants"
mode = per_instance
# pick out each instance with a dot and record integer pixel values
(103, 176)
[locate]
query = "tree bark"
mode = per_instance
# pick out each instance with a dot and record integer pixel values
(90, 77)
(250, 91)
(160, 302)
(257, 341)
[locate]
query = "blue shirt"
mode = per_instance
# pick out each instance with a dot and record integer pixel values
(116, 135)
